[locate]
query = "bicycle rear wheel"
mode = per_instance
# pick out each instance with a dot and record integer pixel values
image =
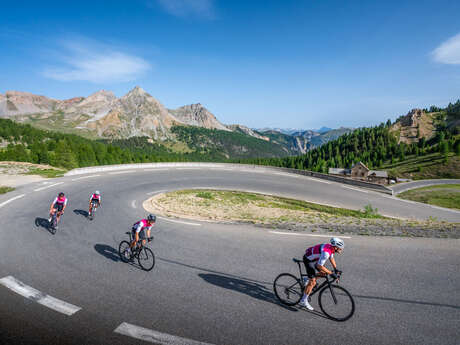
(146, 259)
(336, 302)
(288, 289)
(124, 255)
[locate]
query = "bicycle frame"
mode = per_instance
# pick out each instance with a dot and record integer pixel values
(317, 287)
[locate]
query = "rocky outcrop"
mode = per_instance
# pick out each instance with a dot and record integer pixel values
(18, 103)
(415, 125)
(197, 115)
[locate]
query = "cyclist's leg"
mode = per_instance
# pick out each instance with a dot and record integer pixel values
(311, 273)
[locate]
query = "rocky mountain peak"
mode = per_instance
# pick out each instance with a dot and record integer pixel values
(197, 115)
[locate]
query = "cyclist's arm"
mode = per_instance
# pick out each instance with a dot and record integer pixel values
(322, 260)
(52, 205)
(332, 260)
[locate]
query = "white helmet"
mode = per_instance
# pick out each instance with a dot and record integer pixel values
(337, 242)
(97, 192)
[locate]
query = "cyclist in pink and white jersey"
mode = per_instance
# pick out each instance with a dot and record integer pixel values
(96, 199)
(58, 205)
(139, 229)
(315, 259)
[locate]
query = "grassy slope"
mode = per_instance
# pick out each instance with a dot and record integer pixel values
(429, 166)
(4, 189)
(447, 195)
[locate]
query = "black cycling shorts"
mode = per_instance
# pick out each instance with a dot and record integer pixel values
(95, 201)
(310, 266)
(58, 206)
(141, 234)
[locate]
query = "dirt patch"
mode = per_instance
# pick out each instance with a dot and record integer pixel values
(270, 212)
(13, 174)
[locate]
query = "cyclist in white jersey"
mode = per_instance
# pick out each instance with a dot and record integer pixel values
(315, 259)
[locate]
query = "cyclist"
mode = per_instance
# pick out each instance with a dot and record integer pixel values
(139, 228)
(58, 205)
(95, 199)
(315, 259)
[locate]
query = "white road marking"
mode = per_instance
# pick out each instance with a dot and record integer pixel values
(49, 186)
(12, 199)
(359, 190)
(187, 168)
(152, 336)
(133, 204)
(311, 235)
(179, 221)
(80, 178)
(157, 191)
(317, 180)
(39, 297)
(156, 169)
(121, 172)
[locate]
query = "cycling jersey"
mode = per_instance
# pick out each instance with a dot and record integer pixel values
(141, 225)
(96, 197)
(320, 253)
(60, 201)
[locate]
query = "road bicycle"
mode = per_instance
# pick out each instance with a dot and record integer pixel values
(144, 255)
(92, 213)
(334, 300)
(54, 222)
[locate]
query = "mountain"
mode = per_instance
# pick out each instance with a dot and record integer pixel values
(102, 115)
(323, 130)
(197, 115)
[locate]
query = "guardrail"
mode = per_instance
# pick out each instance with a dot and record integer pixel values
(344, 180)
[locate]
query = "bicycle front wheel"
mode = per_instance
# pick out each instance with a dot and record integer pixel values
(336, 302)
(288, 289)
(146, 259)
(122, 251)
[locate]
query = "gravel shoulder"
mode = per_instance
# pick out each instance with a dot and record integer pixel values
(14, 174)
(266, 211)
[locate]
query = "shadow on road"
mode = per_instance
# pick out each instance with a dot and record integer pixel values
(247, 287)
(43, 223)
(389, 299)
(81, 212)
(107, 251)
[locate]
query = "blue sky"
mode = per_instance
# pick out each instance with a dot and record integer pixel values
(302, 64)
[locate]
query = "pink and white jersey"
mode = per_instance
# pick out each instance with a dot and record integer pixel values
(320, 253)
(60, 201)
(95, 197)
(142, 224)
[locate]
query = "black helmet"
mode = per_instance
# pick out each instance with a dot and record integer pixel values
(61, 194)
(152, 218)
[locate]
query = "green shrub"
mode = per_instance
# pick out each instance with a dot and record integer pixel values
(370, 212)
(204, 195)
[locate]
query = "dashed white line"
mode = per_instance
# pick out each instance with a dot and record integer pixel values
(121, 172)
(156, 169)
(49, 186)
(133, 204)
(39, 297)
(152, 336)
(156, 192)
(296, 234)
(317, 180)
(81, 178)
(179, 221)
(187, 169)
(10, 200)
(356, 189)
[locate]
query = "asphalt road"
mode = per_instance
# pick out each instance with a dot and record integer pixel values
(212, 283)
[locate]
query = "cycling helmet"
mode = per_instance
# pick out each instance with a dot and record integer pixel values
(61, 194)
(97, 192)
(337, 242)
(152, 218)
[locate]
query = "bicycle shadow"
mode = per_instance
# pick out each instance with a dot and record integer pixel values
(112, 254)
(107, 251)
(43, 223)
(81, 212)
(250, 288)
